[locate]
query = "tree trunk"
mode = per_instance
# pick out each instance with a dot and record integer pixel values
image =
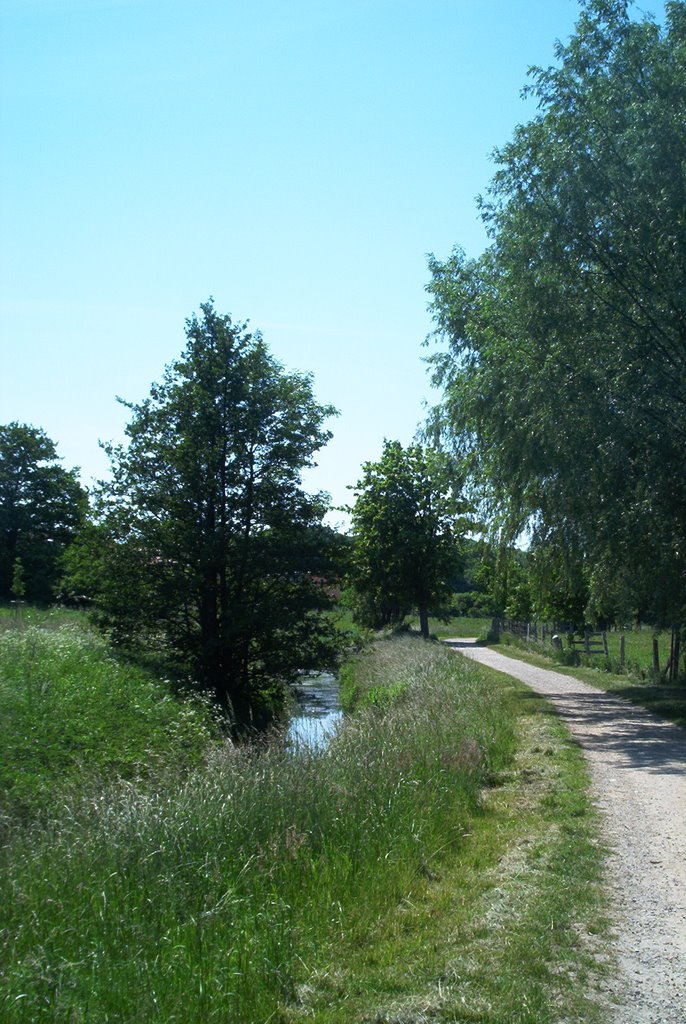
(424, 622)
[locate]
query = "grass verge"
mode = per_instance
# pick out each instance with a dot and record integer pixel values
(511, 928)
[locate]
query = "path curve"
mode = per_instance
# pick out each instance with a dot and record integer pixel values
(638, 768)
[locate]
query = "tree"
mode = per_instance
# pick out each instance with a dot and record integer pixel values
(41, 507)
(204, 538)
(406, 524)
(18, 587)
(567, 338)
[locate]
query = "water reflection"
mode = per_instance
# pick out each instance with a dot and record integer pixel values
(318, 710)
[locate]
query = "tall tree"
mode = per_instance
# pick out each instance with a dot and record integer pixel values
(567, 339)
(41, 507)
(406, 524)
(205, 537)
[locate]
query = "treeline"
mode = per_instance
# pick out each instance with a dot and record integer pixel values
(42, 507)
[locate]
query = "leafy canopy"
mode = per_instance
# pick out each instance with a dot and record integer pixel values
(41, 507)
(566, 340)
(406, 524)
(205, 541)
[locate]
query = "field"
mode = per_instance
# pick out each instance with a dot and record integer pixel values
(462, 626)
(638, 646)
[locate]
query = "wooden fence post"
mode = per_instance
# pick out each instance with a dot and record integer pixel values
(656, 655)
(622, 650)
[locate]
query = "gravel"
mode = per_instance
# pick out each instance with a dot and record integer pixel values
(638, 768)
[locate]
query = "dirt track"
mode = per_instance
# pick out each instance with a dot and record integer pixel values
(638, 766)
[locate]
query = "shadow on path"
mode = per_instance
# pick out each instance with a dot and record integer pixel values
(603, 723)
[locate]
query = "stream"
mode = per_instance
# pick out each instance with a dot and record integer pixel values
(318, 710)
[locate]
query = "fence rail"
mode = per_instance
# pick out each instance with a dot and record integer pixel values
(587, 642)
(590, 643)
(564, 636)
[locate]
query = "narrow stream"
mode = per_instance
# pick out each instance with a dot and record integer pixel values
(318, 710)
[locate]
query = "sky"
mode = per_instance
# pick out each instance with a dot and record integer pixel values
(294, 159)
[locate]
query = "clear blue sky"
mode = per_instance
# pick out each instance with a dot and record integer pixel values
(296, 159)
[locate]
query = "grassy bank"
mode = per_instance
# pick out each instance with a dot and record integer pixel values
(71, 712)
(510, 927)
(213, 895)
(433, 838)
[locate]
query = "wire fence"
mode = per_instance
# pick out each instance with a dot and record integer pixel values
(570, 644)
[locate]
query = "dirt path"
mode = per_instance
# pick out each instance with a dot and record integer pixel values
(638, 766)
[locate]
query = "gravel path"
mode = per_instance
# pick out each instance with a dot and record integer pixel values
(638, 766)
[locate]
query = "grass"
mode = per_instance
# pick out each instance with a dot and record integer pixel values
(638, 644)
(509, 926)
(436, 850)
(205, 898)
(511, 929)
(667, 701)
(70, 711)
(460, 626)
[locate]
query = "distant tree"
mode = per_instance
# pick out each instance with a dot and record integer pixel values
(18, 588)
(42, 506)
(407, 522)
(566, 359)
(205, 540)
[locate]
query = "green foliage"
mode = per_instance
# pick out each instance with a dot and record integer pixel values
(205, 542)
(71, 712)
(219, 896)
(474, 591)
(559, 583)
(41, 507)
(407, 522)
(501, 577)
(18, 587)
(566, 344)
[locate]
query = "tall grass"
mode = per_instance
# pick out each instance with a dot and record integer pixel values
(69, 709)
(214, 896)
